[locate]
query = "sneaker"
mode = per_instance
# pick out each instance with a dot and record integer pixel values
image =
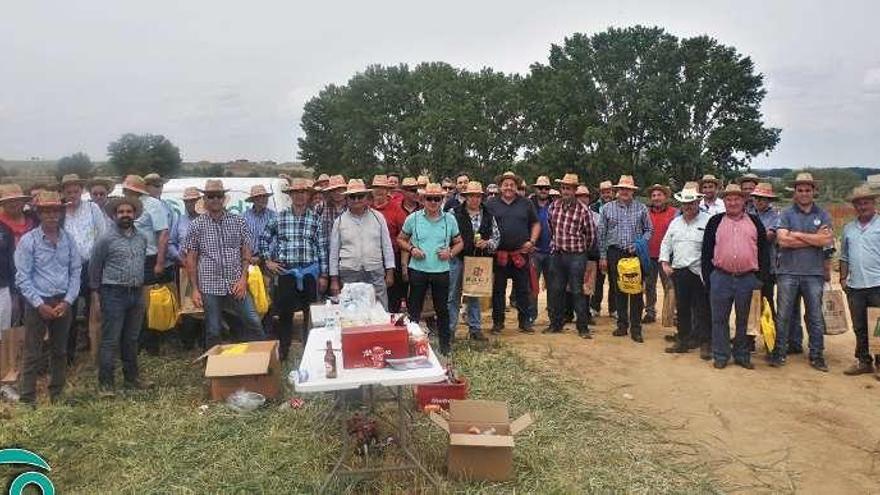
(705, 352)
(860, 368)
(819, 364)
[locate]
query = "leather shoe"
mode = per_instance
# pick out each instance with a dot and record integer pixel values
(620, 332)
(860, 368)
(637, 337)
(705, 352)
(720, 365)
(745, 363)
(677, 349)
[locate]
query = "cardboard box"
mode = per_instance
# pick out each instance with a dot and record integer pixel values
(358, 344)
(476, 456)
(252, 366)
(11, 354)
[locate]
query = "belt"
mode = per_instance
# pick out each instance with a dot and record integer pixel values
(300, 274)
(735, 275)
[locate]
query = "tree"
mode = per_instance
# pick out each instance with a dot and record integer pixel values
(143, 154)
(641, 101)
(77, 163)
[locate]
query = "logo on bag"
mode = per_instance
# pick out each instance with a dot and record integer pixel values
(33, 478)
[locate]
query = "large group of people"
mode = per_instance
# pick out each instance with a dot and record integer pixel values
(409, 238)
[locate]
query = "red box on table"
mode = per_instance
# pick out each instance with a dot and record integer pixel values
(358, 344)
(440, 393)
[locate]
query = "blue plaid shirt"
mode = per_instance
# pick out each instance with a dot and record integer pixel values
(295, 241)
(257, 224)
(620, 225)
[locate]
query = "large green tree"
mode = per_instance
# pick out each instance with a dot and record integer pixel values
(639, 100)
(144, 153)
(77, 163)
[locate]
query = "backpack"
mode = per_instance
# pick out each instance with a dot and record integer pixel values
(162, 309)
(629, 275)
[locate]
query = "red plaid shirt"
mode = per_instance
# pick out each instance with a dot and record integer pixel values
(572, 229)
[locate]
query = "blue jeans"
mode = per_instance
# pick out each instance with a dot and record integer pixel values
(456, 271)
(810, 287)
(567, 271)
(243, 309)
(727, 291)
(122, 316)
(542, 268)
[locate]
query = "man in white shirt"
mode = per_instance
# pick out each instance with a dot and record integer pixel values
(680, 259)
(711, 203)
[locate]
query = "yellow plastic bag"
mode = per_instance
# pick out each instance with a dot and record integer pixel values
(629, 275)
(768, 327)
(162, 309)
(257, 289)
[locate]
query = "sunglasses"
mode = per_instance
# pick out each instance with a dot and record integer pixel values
(543, 188)
(448, 188)
(215, 195)
(434, 199)
(357, 197)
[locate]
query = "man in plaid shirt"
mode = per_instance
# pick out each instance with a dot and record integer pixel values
(294, 247)
(572, 231)
(218, 254)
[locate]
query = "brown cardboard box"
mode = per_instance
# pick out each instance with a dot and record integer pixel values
(11, 354)
(252, 366)
(476, 456)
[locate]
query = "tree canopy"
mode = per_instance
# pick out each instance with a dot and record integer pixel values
(77, 163)
(143, 154)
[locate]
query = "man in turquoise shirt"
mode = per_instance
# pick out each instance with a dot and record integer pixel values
(860, 272)
(431, 237)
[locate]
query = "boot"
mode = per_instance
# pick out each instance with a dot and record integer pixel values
(860, 368)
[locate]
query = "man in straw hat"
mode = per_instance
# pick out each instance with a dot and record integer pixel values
(860, 272)
(520, 229)
(661, 215)
(193, 206)
(748, 182)
(155, 184)
(710, 186)
(572, 232)
(333, 203)
(294, 247)
(735, 262)
(541, 256)
(480, 237)
(218, 255)
(12, 214)
(804, 234)
(360, 246)
(48, 265)
(99, 190)
(680, 259)
(116, 272)
(318, 197)
(622, 223)
(432, 239)
(394, 217)
(85, 223)
(258, 215)
(606, 195)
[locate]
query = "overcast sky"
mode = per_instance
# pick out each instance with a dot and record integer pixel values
(228, 79)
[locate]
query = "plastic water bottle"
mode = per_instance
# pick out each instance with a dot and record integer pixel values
(329, 320)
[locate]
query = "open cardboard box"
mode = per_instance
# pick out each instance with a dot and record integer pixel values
(252, 366)
(480, 457)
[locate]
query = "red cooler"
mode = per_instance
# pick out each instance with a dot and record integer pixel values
(361, 344)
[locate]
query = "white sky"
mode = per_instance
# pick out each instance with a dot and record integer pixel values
(226, 80)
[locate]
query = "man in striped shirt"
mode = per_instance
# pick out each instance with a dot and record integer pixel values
(571, 234)
(258, 216)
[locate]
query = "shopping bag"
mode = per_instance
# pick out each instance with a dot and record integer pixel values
(186, 291)
(161, 309)
(755, 309)
(590, 278)
(768, 326)
(257, 289)
(833, 309)
(629, 275)
(477, 277)
(667, 320)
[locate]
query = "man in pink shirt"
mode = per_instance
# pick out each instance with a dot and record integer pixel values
(735, 262)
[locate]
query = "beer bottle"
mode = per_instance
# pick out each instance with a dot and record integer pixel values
(330, 361)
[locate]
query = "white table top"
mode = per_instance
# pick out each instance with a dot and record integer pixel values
(348, 379)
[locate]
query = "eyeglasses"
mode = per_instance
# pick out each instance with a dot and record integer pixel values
(214, 195)
(434, 199)
(357, 197)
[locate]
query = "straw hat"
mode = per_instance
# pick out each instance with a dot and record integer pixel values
(334, 182)
(492, 189)
(381, 180)
(710, 178)
(582, 191)
(356, 186)
(191, 193)
(72, 179)
(135, 183)
(256, 191)
(543, 181)
(555, 192)
(689, 193)
(114, 202)
(569, 180)
(764, 190)
(423, 180)
(47, 199)
(605, 184)
(749, 177)
(298, 184)
(804, 178)
(473, 187)
(154, 179)
(107, 182)
(12, 192)
(322, 178)
(626, 182)
(409, 183)
(213, 186)
(509, 175)
(863, 192)
(654, 187)
(432, 189)
(732, 189)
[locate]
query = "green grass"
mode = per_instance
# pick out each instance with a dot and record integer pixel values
(157, 441)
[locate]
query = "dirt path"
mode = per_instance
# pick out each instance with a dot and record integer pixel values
(792, 429)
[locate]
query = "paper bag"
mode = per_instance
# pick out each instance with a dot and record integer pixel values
(667, 319)
(186, 290)
(754, 325)
(834, 311)
(477, 277)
